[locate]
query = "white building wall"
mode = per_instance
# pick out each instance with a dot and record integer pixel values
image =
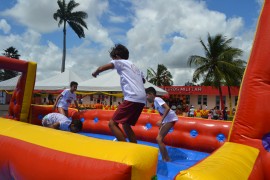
(211, 101)
(87, 100)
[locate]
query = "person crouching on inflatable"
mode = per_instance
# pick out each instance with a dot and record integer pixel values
(167, 121)
(61, 122)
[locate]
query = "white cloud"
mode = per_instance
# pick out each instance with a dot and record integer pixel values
(37, 15)
(162, 33)
(178, 26)
(118, 19)
(4, 26)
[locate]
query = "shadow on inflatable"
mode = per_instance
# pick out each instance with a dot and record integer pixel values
(239, 149)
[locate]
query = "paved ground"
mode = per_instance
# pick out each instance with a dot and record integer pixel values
(3, 113)
(3, 110)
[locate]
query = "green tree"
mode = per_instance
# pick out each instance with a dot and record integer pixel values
(75, 20)
(5, 74)
(162, 77)
(219, 64)
(233, 77)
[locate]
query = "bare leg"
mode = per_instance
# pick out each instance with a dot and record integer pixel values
(66, 113)
(116, 131)
(130, 133)
(161, 135)
(62, 111)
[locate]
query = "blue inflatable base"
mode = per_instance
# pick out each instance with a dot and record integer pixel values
(181, 159)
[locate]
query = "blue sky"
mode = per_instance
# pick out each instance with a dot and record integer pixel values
(163, 32)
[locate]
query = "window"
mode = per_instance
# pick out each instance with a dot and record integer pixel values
(204, 99)
(187, 99)
(2, 97)
(224, 100)
(217, 100)
(91, 97)
(102, 97)
(199, 99)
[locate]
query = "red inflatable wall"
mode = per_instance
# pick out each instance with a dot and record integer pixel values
(191, 133)
(21, 98)
(17, 98)
(15, 165)
(251, 123)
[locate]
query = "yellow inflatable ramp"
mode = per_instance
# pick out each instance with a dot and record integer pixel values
(232, 161)
(33, 152)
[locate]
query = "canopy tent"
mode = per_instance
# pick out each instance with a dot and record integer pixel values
(58, 82)
(110, 82)
(9, 84)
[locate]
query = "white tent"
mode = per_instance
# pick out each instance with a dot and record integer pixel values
(58, 82)
(9, 84)
(110, 82)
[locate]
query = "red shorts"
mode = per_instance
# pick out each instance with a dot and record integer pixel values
(128, 112)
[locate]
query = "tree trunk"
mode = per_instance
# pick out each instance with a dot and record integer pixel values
(64, 49)
(230, 99)
(220, 96)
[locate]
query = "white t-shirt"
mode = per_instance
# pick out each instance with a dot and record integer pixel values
(66, 99)
(191, 111)
(171, 116)
(52, 118)
(130, 80)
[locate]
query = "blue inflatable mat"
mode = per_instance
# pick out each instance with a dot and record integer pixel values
(180, 158)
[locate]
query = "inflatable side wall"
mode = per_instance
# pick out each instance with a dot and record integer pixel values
(34, 152)
(247, 155)
(22, 95)
(190, 133)
(251, 123)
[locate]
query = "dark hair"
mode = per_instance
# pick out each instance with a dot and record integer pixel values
(72, 83)
(150, 90)
(77, 124)
(120, 51)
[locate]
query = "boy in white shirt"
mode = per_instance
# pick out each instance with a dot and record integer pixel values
(168, 119)
(191, 111)
(64, 99)
(131, 80)
(61, 122)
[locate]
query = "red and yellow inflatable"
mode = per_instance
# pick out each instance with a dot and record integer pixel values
(247, 154)
(33, 152)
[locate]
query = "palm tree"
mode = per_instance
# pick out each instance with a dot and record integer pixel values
(234, 77)
(218, 65)
(74, 19)
(162, 77)
(5, 74)
(11, 52)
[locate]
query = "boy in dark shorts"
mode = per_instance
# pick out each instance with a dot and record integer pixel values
(131, 80)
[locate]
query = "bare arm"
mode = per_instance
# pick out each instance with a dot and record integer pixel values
(166, 111)
(56, 101)
(76, 104)
(55, 125)
(102, 68)
(143, 79)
